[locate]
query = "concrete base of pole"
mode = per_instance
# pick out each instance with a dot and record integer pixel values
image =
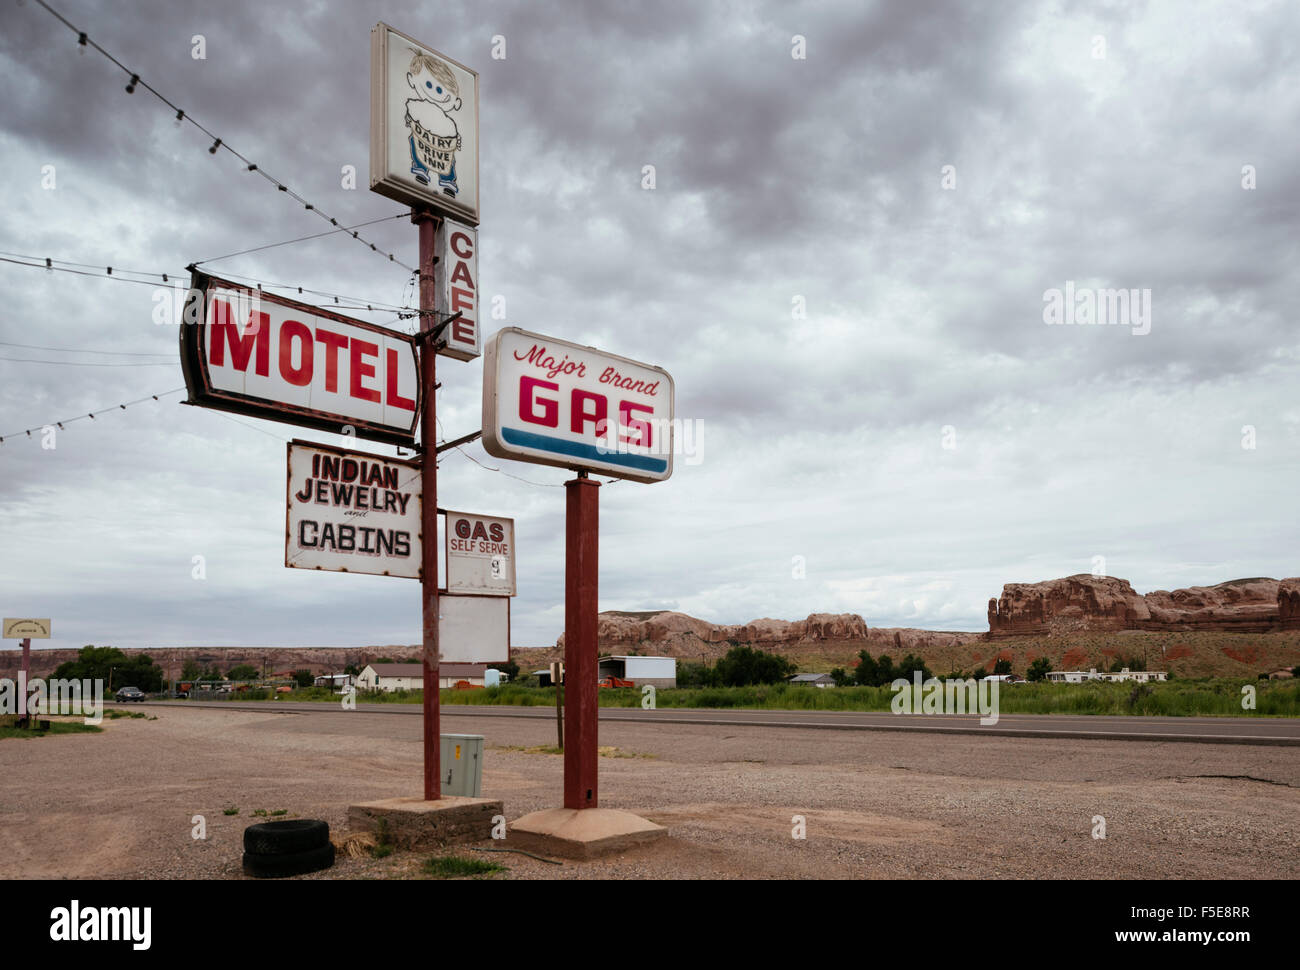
(581, 833)
(413, 823)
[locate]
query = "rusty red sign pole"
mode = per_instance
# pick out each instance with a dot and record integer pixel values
(430, 227)
(581, 579)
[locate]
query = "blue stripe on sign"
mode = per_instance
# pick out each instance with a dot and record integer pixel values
(576, 449)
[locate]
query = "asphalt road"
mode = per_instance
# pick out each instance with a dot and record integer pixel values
(1196, 730)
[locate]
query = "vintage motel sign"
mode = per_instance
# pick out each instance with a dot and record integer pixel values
(423, 126)
(255, 353)
(480, 554)
(352, 512)
(553, 402)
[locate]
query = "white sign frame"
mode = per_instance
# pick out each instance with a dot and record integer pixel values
(400, 149)
(344, 518)
(524, 372)
(476, 566)
(471, 629)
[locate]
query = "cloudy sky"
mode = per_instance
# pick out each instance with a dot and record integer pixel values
(844, 262)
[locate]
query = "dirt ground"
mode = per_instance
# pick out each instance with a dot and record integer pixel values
(122, 804)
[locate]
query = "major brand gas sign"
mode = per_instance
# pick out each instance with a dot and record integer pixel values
(254, 353)
(352, 512)
(553, 402)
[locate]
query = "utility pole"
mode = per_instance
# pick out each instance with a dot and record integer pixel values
(431, 228)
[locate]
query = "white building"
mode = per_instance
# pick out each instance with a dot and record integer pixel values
(391, 677)
(655, 671)
(337, 681)
(1080, 676)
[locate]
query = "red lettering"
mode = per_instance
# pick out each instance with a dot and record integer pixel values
(461, 299)
(459, 239)
(362, 348)
(478, 531)
(333, 343)
(643, 428)
(461, 275)
(550, 416)
(498, 532)
(395, 399)
(580, 414)
(256, 334)
(462, 331)
(300, 375)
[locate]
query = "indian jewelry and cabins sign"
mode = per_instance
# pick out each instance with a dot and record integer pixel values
(352, 512)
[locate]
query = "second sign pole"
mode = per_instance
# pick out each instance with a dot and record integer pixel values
(581, 579)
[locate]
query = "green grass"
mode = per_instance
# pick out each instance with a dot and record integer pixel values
(56, 727)
(1202, 697)
(263, 813)
(232, 810)
(454, 867)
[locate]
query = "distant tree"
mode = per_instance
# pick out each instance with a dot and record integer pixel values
(510, 669)
(1295, 671)
(909, 665)
(865, 672)
(190, 670)
(212, 673)
(384, 660)
(885, 672)
(351, 669)
(114, 668)
(745, 665)
(1001, 667)
(841, 677)
(1039, 669)
(1132, 663)
(304, 678)
(243, 672)
(696, 675)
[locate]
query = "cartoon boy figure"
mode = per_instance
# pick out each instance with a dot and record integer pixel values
(434, 137)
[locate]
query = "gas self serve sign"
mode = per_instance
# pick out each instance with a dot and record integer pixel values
(480, 554)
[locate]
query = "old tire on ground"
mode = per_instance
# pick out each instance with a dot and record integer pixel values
(286, 837)
(292, 864)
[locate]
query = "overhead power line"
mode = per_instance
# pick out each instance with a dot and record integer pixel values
(217, 143)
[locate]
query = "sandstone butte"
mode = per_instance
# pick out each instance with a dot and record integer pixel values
(1085, 602)
(1080, 603)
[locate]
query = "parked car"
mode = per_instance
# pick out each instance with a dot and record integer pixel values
(130, 694)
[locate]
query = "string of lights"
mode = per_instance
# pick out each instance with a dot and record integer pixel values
(109, 272)
(90, 414)
(217, 143)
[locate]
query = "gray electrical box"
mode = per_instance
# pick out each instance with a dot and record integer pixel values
(461, 762)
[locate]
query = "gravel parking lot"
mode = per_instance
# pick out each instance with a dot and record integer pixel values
(122, 804)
